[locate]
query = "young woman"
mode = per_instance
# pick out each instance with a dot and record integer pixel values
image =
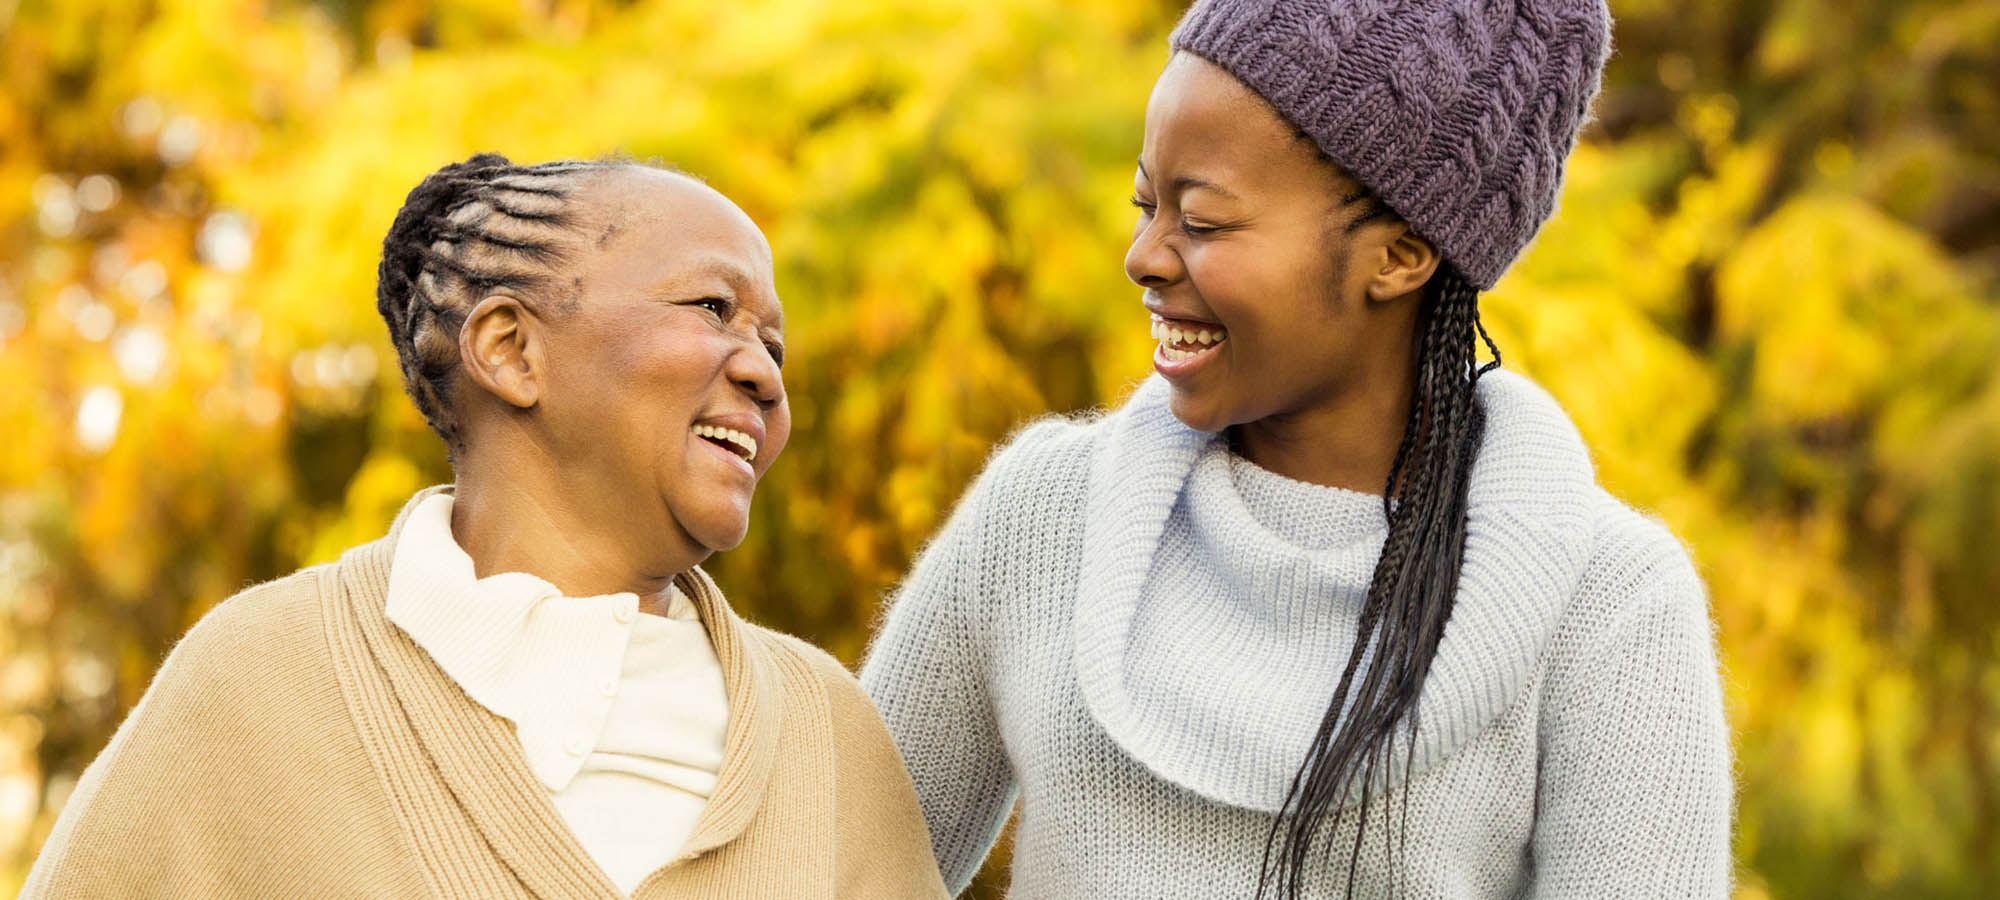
(527, 688)
(1327, 608)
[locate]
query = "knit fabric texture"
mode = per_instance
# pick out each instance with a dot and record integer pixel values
(298, 744)
(1459, 114)
(1254, 573)
(1135, 633)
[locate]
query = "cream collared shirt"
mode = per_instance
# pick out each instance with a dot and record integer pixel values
(621, 714)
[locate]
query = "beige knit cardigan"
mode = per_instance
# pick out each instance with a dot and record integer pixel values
(296, 744)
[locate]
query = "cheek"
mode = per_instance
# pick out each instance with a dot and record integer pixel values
(1253, 292)
(1288, 307)
(642, 395)
(671, 371)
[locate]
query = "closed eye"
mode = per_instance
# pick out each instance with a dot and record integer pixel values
(1148, 208)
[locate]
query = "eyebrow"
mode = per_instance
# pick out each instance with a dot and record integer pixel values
(1186, 182)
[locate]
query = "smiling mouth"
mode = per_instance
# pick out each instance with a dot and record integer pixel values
(743, 445)
(1181, 340)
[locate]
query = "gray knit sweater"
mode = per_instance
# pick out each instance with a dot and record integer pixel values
(1135, 633)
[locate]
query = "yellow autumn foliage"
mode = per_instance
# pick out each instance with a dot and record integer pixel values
(1770, 299)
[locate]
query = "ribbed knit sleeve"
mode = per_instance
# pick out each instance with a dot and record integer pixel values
(927, 671)
(1635, 791)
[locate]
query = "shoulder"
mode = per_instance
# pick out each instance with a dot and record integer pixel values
(856, 723)
(244, 730)
(214, 710)
(1042, 472)
(1034, 480)
(1633, 553)
(803, 656)
(260, 633)
(1048, 452)
(1638, 573)
(1534, 478)
(882, 844)
(254, 675)
(810, 672)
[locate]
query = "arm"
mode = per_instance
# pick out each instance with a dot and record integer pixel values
(1636, 795)
(885, 851)
(926, 671)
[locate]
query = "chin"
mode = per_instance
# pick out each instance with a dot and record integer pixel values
(711, 521)
(721, 531)
(727, 540)
(1200, 415)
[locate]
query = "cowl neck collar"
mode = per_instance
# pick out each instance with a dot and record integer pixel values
(1527, 541)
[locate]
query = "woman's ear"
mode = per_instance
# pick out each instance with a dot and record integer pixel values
(501, 347)
(1407, 264)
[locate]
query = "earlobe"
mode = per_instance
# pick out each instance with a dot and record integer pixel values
(1408, 262)
(501, 351)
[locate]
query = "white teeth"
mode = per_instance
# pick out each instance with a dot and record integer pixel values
(745, 444)
(1169, 335)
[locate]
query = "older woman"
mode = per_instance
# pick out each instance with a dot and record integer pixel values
(527, 687)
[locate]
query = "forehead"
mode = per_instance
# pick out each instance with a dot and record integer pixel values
(657, 225)
(1200, 117)
(641, 206)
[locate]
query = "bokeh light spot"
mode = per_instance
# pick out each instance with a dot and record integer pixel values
(224, 241)
(97, 417)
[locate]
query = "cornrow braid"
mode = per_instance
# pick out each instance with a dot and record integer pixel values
(467, 230)
(1410, 596)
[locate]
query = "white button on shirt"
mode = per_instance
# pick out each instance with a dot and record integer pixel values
(621, 716)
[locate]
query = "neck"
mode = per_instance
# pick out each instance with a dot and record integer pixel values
(1348, 441)
(515, 516)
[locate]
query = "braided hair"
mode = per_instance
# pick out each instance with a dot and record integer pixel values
(467, 230)
(1411, 594)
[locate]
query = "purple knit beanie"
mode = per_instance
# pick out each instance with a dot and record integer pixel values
(1457, 113)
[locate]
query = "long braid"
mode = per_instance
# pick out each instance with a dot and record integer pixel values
(467, 230)
(1409, 601)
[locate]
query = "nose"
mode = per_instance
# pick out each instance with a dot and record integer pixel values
(1149, 262)
(755, 373)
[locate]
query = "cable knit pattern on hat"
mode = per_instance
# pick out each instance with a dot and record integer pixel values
(1135, 632)
(1458, 113)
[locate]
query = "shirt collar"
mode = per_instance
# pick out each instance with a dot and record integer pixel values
(477, 754)
(548, 663)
